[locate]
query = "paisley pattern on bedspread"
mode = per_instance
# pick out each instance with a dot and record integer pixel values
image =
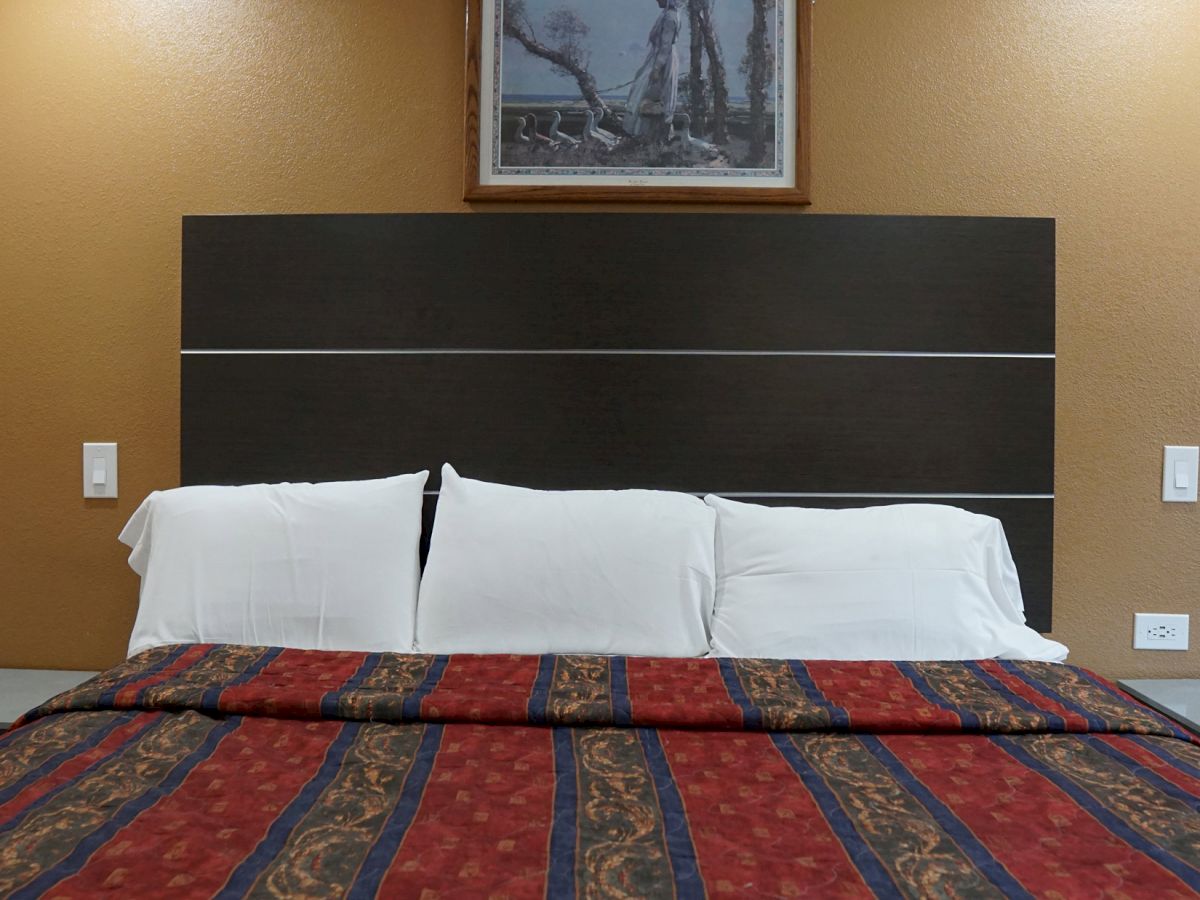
(205, 770)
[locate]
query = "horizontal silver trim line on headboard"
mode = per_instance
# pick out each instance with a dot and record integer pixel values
(835, 496)
(448, 351)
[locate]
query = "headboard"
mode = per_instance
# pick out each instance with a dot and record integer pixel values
(783, 359)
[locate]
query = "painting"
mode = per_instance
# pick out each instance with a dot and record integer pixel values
(673, 100)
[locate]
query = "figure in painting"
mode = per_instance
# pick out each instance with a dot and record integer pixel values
(654, 94)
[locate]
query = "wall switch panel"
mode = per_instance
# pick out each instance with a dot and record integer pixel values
(1160, 631)
(100, 470)
(1179, 474)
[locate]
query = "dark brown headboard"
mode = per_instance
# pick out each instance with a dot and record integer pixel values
(784, 359)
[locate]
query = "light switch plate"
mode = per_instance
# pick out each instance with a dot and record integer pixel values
(1179, 474)
(1160, 631)
(100, 470)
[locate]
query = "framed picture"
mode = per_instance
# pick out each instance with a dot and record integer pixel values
(664, 100)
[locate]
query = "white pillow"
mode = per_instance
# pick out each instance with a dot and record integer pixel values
(329, 566)
(906, 582)
(513, 570)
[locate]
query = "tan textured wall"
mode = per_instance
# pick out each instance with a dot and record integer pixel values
(118, 117)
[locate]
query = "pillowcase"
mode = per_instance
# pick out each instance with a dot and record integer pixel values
(330, 566)
(906, 582)
(513, 570)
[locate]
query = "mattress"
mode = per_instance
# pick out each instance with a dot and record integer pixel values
(219, 770)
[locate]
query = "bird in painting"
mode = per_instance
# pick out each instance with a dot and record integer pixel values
(539, 140)
(693, 143)
(590, 132)
(521, 137)
(557, 135)
(599, 113)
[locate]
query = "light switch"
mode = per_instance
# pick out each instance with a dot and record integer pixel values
(100, 470)
(1179, 474)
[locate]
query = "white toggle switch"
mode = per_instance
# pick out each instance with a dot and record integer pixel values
(1179, 474)
(100, 470)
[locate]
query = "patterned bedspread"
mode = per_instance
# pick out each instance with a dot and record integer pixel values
(202, 770)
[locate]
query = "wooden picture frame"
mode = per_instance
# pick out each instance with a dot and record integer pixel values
(535, 161)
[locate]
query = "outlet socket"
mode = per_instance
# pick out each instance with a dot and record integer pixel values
(1160, 631)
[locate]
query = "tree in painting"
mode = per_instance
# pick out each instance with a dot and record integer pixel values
(716, 70)
(567, 56)
(697, 84)
(755, 66)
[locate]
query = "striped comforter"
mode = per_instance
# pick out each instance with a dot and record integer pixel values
(204, 770)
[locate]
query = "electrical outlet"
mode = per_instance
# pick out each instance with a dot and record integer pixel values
(1160, 631)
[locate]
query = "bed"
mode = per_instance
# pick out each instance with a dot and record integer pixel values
(202, 770)
(828, 362)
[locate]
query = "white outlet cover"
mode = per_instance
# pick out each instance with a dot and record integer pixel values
(1160, 631)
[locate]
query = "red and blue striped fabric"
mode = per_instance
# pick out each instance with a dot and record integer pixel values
(218, 770)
